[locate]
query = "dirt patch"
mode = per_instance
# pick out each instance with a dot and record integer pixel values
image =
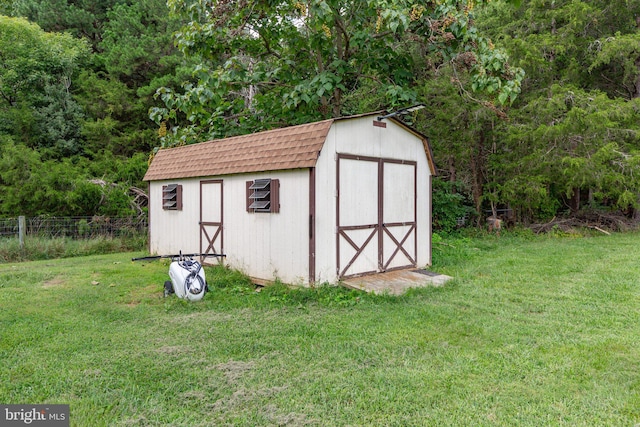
(291, 419)
(136, 296)
(234, 369)
(54, 283)
(149, 290)
(240, 398)
(194, 395)
(139, 420)
(173, 350)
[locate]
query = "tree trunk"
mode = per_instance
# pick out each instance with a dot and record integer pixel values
(452, 173)
(337, 102)
(574, 202)
(637, 82)
(477, 180)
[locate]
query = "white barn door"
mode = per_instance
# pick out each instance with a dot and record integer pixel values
(211, 219)
(375, 215)
(399, 246)
(357, 216)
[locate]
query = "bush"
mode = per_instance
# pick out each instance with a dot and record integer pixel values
(449, 207)
(32, 186)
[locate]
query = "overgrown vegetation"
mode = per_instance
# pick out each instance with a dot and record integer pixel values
(36, 248)
(74, 98)
(531, 330)
(450, 209)
(570, 141)
(77, 98)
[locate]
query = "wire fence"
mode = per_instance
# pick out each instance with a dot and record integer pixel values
(82, 227)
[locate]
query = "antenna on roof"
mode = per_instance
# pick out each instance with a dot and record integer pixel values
(403, 111)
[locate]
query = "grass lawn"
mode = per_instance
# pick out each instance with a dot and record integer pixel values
(532, 331)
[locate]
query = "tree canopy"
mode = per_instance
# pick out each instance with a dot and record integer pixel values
(79, 79)
(532, 105)
(266, 64)
(35, 80)
(571, 138)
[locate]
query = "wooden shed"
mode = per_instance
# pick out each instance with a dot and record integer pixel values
(305, 204)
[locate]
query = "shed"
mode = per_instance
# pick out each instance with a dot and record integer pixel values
(304, 204)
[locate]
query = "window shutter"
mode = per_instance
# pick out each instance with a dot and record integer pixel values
(179, 197)
(248, 198)
(165, 190)
(172, 197)
(263, 195)
(275, 196)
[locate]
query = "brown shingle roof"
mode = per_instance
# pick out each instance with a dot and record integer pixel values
(279, 149)
(292, 147)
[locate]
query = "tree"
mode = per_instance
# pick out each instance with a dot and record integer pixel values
(574, 134)
(577, 143)
(31, 185)
(74, 102)
(461, 132)
(136, 57)
(614, 52)
(619, 56)
(266, 64)
(82, 18)
(132, 55)
(570, 139)
(36, 76)
(6, 6)
(137, 43)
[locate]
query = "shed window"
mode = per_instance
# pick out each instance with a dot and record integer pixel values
(263, 195)
(172, 197)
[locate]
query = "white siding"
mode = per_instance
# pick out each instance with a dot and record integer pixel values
(262, 245)
(326, 263)
(276, 245)
(174, 231)
(269, 245)
(359, 137)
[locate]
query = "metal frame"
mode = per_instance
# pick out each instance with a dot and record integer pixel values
(402, 111)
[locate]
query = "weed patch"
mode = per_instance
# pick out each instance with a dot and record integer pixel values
(36, 248)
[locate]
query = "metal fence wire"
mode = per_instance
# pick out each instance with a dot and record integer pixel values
(83, 227)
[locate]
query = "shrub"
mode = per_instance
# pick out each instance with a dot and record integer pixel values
(449, 206)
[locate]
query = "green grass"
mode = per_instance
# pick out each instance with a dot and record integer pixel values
(532, 331)
(37, 248)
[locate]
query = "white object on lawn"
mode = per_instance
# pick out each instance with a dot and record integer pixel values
(187, 275)
(187, 279)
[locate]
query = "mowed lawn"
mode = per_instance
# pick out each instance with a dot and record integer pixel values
(532, 331)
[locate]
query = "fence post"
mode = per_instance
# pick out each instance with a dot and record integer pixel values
(21, 230)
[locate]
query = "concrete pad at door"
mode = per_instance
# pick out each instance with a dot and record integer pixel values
(396, 282)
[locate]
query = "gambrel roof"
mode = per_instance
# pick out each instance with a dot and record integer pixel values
(293, 147)
(287, 148)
